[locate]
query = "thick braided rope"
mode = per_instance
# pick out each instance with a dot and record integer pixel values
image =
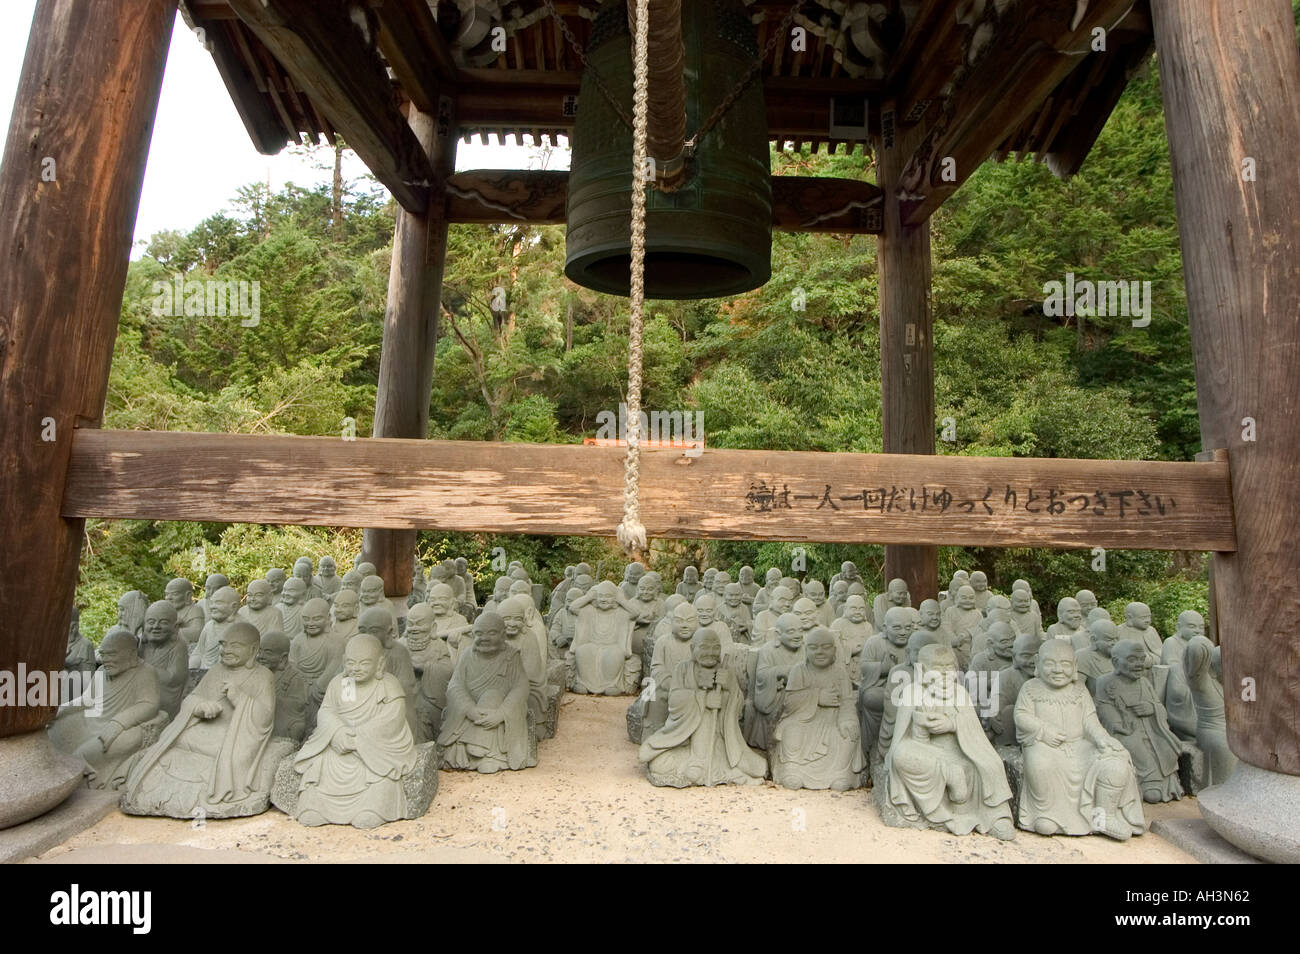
(631, 532)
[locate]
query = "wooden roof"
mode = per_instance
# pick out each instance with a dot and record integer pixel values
(968, 79)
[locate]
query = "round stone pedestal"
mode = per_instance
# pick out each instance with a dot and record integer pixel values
(34, 777)
(1258, 811)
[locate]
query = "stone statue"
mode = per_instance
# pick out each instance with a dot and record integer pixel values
(940, 770)
(208, 762)
(378, 622)
(365, 567)
(514, 614)
(556, 602)
(1078, 779)
(346, 609)
(564, 622)
(316, 653)
(372, 594)
(816, 742)
(647, 608)
(485, 727)
(900, 676)
(1137, 625)
(706, 611)
(806, 610)
(881, 654)
(500, 593)
(116, 715)
(1025, 617)
(130, 611)
(735, 614)
(706, 581)
(276, 577)
(997, 614)
(1094, 663)
(1098, 612)
(1024, 585)
(353, 765)
(748, 588)
(895, 594)
(848, 573)
(292, 598)
(291, 698)
(852, 630)
(1070, 625)
(960, 578)
(302, 570)
(690, 583)
(814, 591)
(701, 742)
(462, 570)
(1199, 665)
(419, 586)
(163, 650)
(999, 651)
(80, 655)
(772, 579)
(721, 579)
(931, 620)
(352, 580)
(632, 574)
(1130, 711)
(772, 665)
(450, 626)
(330, 581)
(962, 619)
(1087, 602)
(583, 582)
(214, 582)
(1001, 724)
(1178, 697)
(259, 610)
(780, 603)
(602, 660)
(433, 663)
(979, 582)
(839, 593)
(673, 647)
(223, 607)
(189, 615)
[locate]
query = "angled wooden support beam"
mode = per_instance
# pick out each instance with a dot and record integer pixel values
(415, 49)
(799, 203)
(334, 60)
(721, 494)
(1009, 62)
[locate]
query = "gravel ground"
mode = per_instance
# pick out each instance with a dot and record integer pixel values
(588, 801)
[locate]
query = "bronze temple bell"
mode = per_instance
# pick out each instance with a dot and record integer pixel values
(709, 221)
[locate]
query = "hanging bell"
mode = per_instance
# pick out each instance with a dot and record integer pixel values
(711, 235)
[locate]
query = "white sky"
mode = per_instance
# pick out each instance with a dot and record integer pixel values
(201, 153)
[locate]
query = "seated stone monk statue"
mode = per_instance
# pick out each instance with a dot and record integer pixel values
(838, 594)
(780, 603)
(1199, 664)
(514, 613)
(719, 588)
(772, 665)
(963, 619)
(817, 742)
(189, 615)
(214, 582)
(882, 653)
(735, 614)
(632, 574)
(1130, 711)
(80, 655)
(208, 761)
(353, 764)
(277, 578)
(329, 580)
(900, 676)
(116, 714)
(500, 592)
(931, 620)
(602, 660)
(371, 594)
(259, 609)
(815, 591)
(853, 629)
(701, 743)
(223, 609)
(1025, 617)
(292, 598)
(1078, 778)
(748, 588)
(376, 621)
(896, 594)
(485, 727)
(1178, 698)
(771, 580)
(1070, 625)
(433, 664)
(564, 621)
(1094, 663)
(979, 582)
(302, 570)
(941, 772)
(316, 653)
(1087, 601)
(162, 648)
(1137, 625)
(344, 610)
(291, 695)
(1001, 724)
(689, 585)
(998, 653)
(449, 625)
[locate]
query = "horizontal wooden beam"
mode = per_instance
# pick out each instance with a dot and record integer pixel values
(722, 494)
(326, 53)
(416, 52)
(799, 203)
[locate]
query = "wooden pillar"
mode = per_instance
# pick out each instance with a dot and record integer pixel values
(1230, 76)
(69, 190)
(906, 348)
(411, 332)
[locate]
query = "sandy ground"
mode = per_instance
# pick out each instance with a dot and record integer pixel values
(588, 801)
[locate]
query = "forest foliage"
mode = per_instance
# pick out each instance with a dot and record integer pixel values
(764, 374)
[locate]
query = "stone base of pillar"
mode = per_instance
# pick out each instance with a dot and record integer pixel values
(34, 777)
(1258, 811)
